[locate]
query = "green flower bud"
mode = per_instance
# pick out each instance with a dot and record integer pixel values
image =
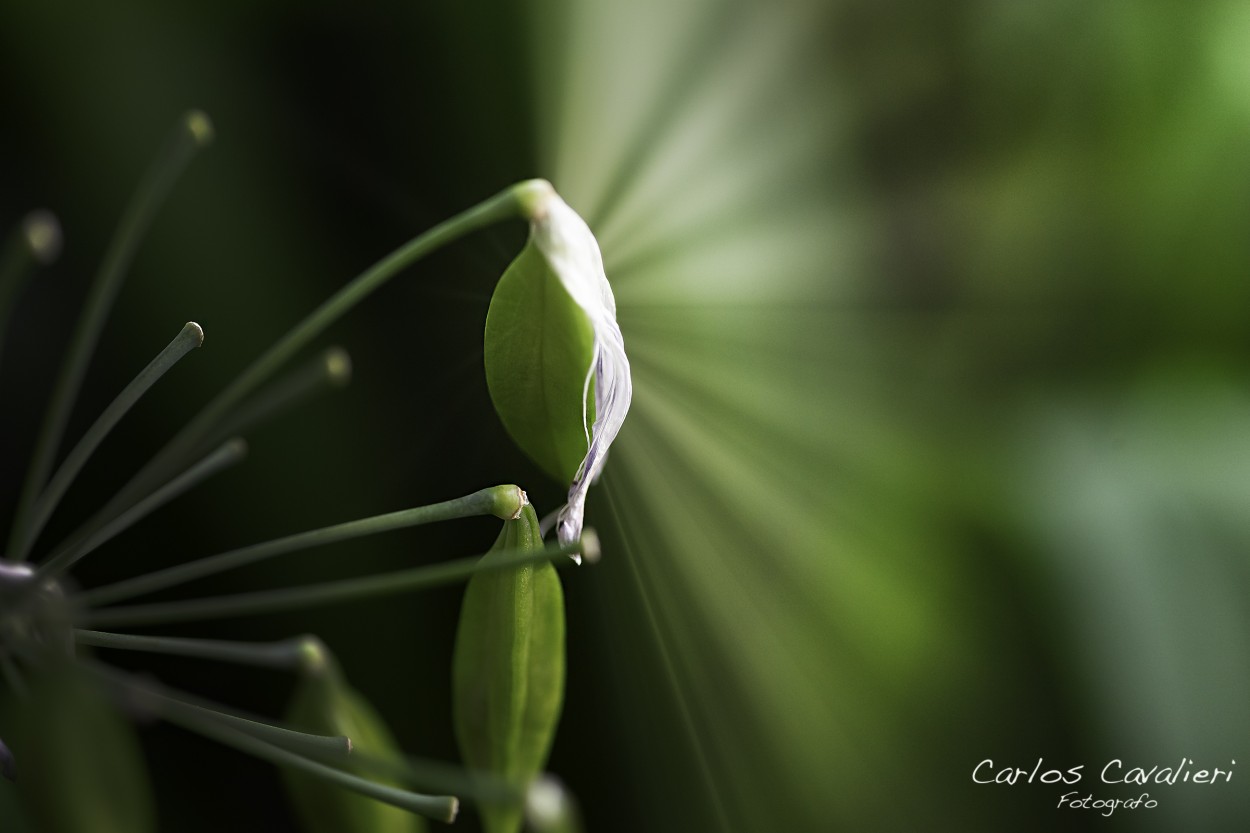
(508, 670)
(77, 761)
(555, 358)
(538, 345)
(324, 703)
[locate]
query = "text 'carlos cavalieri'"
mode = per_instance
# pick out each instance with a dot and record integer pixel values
(1114, 771)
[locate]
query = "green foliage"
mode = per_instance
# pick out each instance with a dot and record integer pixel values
(325, 704)
(79, 766)
(538, 349)
(508, 674)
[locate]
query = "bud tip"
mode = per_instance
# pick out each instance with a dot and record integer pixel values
(506, 502)
(533, 196)
(521, 504)
(314, 658)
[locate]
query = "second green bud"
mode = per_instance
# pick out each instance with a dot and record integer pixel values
(508, 669)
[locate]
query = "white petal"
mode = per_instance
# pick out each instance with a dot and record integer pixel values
(573, 254)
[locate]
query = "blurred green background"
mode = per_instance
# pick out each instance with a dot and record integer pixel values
(938, 315)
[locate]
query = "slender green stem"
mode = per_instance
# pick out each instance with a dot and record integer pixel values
(192, 133)
(501, 501)
(277, 746)
(182, 707)
(321, 747)
(288, 598)
(36, 240)
(442, 808)
(504, 205)
(286, 654)
(473, 785)
(330, 370)
(94, 533)
(190, 337)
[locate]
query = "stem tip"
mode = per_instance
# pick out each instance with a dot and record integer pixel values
(338, 367)
(195, 330)
(199, 126)
(507, 502)
(590, 545)
(43, 236)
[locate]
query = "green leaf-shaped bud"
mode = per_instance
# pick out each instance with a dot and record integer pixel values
(508, 670)
(77, 761)
(555, 357)
(323, 703)
(538, 346)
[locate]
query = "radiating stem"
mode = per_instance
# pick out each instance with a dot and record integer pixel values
(501, 501)
(190, 337)
(506, 204)
(279, 746)
(272, 601)
(332, 369)
(287, 654)
(184, 708)
(192, 133)
(320, 747)
(434, 775)
(442, 808)
(94, 533)
(37, 240)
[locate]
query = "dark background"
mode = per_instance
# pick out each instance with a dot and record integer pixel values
(938, 323)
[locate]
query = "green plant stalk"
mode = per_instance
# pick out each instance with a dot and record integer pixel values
(500, 501)
(272, 601)
(512, 202)
(189, 338)
(258, 739)
(83, 543)
(293, 654)
(286, 654)
(35, 241)
(332, 369)
(192, 133)
(439, 807)
(17, 263)
(155, 699)
(473, 785)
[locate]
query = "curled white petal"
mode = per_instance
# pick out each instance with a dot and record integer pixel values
(573, 254)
